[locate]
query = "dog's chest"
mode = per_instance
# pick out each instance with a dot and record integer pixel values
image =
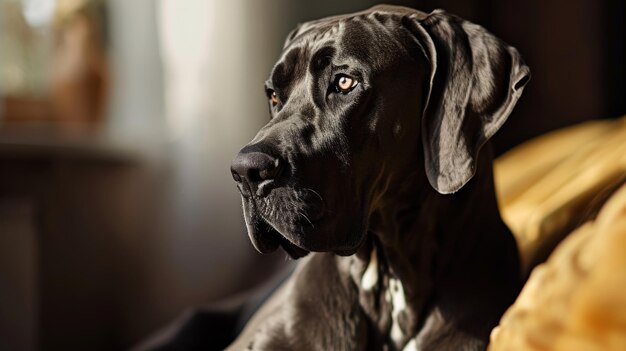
(392, 313)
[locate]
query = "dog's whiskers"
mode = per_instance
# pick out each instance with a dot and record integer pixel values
(305, 217)
(314, 192)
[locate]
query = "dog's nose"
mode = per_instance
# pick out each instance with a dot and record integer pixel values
(252, 169)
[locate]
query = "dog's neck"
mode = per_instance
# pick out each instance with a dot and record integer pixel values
(430, 253)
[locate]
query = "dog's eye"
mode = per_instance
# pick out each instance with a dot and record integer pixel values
(272, 96)
(344, 84)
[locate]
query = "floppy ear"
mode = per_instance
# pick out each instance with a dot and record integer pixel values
(475, 81)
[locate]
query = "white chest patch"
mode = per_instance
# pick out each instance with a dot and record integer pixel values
(411, 346)
(370, 277)
(395, 296)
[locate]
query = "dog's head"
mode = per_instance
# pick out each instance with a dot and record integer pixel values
(362, 100)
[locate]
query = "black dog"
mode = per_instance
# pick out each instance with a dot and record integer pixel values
(374, 159)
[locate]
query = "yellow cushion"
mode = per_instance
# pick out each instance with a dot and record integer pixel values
(544, 185)
(577, 299)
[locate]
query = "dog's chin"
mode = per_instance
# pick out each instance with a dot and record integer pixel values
(266, 239)
(292, 250)
(307, 231)
(347, 252)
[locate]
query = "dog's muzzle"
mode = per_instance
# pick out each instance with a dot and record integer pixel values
(257, 173)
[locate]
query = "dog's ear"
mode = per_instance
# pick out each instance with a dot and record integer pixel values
(475, 81)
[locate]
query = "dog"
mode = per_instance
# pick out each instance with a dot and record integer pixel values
(375, 166)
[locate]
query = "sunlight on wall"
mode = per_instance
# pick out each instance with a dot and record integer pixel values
(38, 13)
(186, 32)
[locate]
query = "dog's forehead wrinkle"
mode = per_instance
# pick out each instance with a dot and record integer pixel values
(322, 57)
(376, 45)
(358, 38)
(289, 68)
(314, 32)
(385, 22)
(334, 24)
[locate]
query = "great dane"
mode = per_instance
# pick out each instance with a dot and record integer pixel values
(374, 166)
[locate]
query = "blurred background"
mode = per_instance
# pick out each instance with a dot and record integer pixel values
(119, 119)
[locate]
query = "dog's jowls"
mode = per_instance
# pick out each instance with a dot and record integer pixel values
(374, 166)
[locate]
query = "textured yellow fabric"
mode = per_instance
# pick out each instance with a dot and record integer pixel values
(544, 185)
(577, 299)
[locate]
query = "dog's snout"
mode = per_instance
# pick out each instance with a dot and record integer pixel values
(252, 169)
